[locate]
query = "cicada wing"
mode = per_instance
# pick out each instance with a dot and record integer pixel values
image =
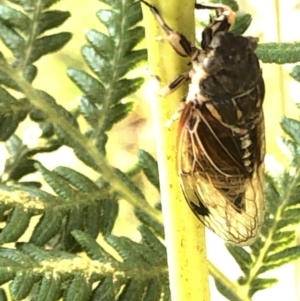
(226, 197)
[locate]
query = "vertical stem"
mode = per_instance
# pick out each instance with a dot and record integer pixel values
(185, 236)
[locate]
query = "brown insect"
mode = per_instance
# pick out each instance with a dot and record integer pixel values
(221, 142)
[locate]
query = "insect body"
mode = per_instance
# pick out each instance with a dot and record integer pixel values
(221, 143)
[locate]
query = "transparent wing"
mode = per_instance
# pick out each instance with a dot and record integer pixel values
(220, 190)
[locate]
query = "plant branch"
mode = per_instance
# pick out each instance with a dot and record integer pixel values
(185, 236)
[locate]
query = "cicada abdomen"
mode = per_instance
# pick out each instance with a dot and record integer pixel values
(221, 143)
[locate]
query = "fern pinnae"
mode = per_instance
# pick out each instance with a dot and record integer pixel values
(149, 167)
(49, 288)
(149, 239)
(82, 146)
(119, 63)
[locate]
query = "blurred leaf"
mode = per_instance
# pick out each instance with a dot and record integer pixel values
(51, 19)
(14, 18)
(279, 53)
(149, 167)
(48, 44)
(295, 74)
(241, 23)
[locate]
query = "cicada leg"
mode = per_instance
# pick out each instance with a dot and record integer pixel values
(184, 48)
(180, 44)
(225, 19)
(174, 85)
(177, 40)
(177, 114)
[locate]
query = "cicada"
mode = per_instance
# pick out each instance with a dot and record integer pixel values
(221, 141)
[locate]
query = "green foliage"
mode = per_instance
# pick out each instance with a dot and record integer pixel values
(63, 259)
(242, 22)
(149, 167)
(78, 209)
(295, 74)
(279, 53)
(29, 264)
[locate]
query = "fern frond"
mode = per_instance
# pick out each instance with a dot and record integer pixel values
(55, 273)
(110, 57)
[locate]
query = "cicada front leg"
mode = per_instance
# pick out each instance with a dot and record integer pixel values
(184, 48)
(174, 85)
(177, 40)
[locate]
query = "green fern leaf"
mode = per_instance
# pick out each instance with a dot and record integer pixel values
(35, 253)
(242, 257)
(14, 41)
(287, 255)
(77, 179)
(158, 249)
(49, 288)
(151, 223)
(88, 84)
(92, 248)
(149, 167)
(74, 221)
(16, 226)
(118, 112)
(22, 285)
(6, 273)
(48, 44)
(226, 291)
(51, 19)
(58, 184)
(107, 289)
(14, 18)
(140, 196)
(11, 114)
(260, 284)
(295, 74)
(291, 127)
(133, 290)
(279, 53)
(130, 251)
(79, 290)
(241, 23)
(48, 226)
(153, 291)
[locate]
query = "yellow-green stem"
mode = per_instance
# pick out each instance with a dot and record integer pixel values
(185, 236)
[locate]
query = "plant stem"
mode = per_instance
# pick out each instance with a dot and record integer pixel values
(185, 236)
